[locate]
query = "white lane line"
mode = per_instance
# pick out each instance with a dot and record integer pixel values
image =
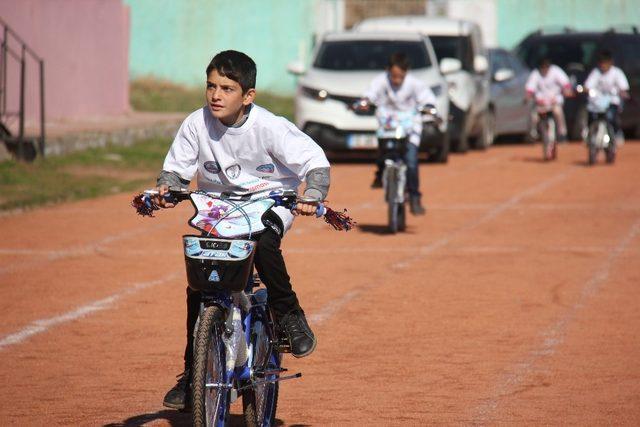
(552, 337)
(330, 309)
(42, 325)
(84, 250)
(491, 214)
(489, 249)
(333, 306)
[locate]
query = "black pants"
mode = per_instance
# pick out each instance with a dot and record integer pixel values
(613, 117)
(272, 271)
(411, 160)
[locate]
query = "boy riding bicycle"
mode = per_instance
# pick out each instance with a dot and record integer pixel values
(233, 145)
(396, 90)
(548, 83)
(611, 80)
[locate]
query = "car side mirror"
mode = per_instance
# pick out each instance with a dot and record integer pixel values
(450, 65)
(503, 74)
(480, 63)
(296, 67)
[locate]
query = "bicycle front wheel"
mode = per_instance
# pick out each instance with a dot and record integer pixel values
(259, 402)
(392, 195)
(210, 397)
(402, 216)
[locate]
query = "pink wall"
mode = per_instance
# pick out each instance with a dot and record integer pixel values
(85, 47)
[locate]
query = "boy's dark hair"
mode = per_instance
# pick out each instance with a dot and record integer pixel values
(605, 55)
(545, 61)
(236, 66)
(400, 60)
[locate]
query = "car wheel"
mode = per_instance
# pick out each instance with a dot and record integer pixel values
(461, 144)
(442, 154)
(579, 124)
(488, 132)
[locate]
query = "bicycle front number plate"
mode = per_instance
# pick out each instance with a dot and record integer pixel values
(362, 141)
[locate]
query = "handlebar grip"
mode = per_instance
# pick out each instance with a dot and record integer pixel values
(320, 209)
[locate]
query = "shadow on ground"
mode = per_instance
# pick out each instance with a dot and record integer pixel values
(379, 229)
(177, 419)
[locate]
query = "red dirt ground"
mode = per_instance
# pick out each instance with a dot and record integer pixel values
(513, 301)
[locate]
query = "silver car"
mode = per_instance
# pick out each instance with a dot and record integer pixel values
(508, 77)
(341, 71)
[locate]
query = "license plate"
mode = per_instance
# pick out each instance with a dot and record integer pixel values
(362, 141)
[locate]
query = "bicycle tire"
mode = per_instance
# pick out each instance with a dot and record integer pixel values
(610, 151)
(591, 144)
(402, 216)
(209, 366)
(259, 403)
(392, 191)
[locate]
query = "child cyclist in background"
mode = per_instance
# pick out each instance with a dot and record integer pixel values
(548, 82)
(233, 145)
(396, 90)
(610, 80)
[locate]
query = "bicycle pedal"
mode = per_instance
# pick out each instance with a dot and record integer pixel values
(263, 373)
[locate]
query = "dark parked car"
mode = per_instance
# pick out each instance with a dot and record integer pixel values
(508, 77)
(576, 52)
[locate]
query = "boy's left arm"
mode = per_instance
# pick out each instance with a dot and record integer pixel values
(424, 94)
(303, 156)
(623, 84)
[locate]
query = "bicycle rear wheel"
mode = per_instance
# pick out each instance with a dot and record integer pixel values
(210, 398)
(392, 194)
(402, 216)
(259, 402)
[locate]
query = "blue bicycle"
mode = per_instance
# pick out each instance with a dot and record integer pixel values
(237, 351)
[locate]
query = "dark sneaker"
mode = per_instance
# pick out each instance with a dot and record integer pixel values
(295, 327)
(562, 138)
(377, 182)
(416, 207)
(178, 396)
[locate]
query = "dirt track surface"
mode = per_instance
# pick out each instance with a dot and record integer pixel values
(513, 301)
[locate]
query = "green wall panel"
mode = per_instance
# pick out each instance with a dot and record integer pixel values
(176, 39)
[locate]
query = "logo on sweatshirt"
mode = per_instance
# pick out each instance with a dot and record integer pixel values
(214, 276)
(266, 168)
(233, 171)
(212, 167)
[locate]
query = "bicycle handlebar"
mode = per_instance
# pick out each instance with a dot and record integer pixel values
(286, 199)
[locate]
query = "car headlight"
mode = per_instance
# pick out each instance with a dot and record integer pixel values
(437, 90)
(319, 94)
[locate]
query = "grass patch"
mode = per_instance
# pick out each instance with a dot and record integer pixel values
(151, 94)
(113, 169)
(90, 173)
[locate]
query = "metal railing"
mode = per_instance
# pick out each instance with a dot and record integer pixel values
(6, 53)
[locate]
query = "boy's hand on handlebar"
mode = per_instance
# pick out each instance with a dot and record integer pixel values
(305, 208)
(159, 198)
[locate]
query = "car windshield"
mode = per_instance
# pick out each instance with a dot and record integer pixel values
(454, 47)
(369, 55)
(571, 55)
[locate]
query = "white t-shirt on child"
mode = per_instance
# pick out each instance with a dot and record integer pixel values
(411, 95)
(266, 153)
(408, 98)
(612, 81)
(548, 86)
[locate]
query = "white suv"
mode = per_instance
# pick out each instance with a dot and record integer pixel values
(463, 59)
(342, 68)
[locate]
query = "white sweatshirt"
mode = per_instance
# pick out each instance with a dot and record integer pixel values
(610, 82)
(265, 153)
(409, 97)
(550, 85)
